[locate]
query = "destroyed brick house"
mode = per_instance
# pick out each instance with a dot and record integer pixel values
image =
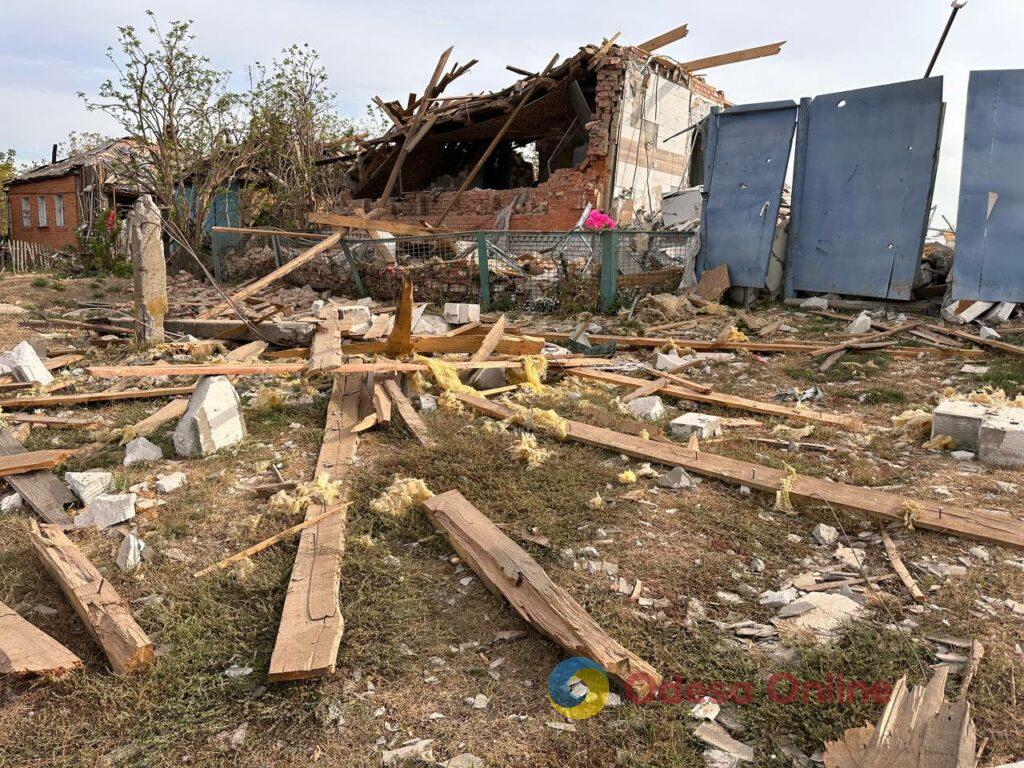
(607, 127)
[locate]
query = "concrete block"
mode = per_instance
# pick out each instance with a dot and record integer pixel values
(431, 325)
(651, 408)
(663, 362)
(675, 479)
(1001, 438)
(213, 420)
(701, 424)
(490, 378)
(960, 420)
(140, 451)
(12, 502)
(460, 314)
(861, 324)
(129, 556)
(88, 485)
(360, 316)
(171, 482)
(25, 364)
(107, 510)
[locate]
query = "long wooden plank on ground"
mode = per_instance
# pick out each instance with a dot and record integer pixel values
(196, 369)
(311, 620)
(394, 366)
(971, 523)
(27, 650)
(30, 461)
(508, 571)
(103, 611)
(859, 340)
(381, 403)
(490, 344)
(1002, 346)
(408, 414)
(42, 401)
(722, 400)
(40, 489)
(325, 351)
(57, 422)
(257, 286)
(459, 343)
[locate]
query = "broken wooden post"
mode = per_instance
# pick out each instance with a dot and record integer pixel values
(103, 611)
(507, 569)
(149, 269)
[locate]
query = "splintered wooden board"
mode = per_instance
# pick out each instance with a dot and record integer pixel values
(971, 523)
(27, 650)
(40, 489)
(311, 620)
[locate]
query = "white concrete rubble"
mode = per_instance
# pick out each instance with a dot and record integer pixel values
(25, 364)
(662, 362)
(88, 485)
(820, 613)
(460, 314)
(129, 556)
(171, 482)
(814, 302)
(490, 378)
(651, 408)
(141, 451)
(1001, 438)
(428, 403)
(360, 316)
(213, 420)
(675, 479)
(12, 502)
(107, 509)
(860, 325)
(703, 425)
(960, 420)
(825, 534)
(431, 325)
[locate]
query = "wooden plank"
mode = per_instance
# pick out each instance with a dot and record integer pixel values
(849, 423)
(644, 390)
(196, 369)
(311, 620)
(349, 221)
(681, 380)
(897, 565)
(1002, 346)
(746, 54)
(971, 523)
(713, 283)
(399, 341)
(167, 412)
(57, 422)
(490, 344)
(257, 286)
(325, 351)
(664, 39)
(508, 571)
(377, 327)
(408, 414)
(381, 403)
(99, 606)
(29, 461)
(462, 343)
(27, 650)
(93, 397)
(825, 586)
(41, 490)
(265, 232)
(862, 340)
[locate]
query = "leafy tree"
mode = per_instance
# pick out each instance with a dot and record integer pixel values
(8, 170)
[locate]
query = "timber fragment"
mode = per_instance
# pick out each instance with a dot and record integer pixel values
(27, 650)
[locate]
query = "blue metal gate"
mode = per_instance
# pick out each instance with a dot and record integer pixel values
(862, 187)
(745, 160)
(989, 263)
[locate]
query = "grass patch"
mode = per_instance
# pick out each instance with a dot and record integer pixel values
(1006, 373)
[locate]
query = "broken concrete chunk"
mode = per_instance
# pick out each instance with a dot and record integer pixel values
(814, 302)
(417, 751)
(825, 535)
(700, 424)
(716, 736)
(88, 485)
(1001, 438)
(651, 408)
(980, 370)
(213, 420)
(140, 451)
(860, 325)
(25, 364)
(490, 378)
(12, 502)
(460, 314)
(820, 613)
(428, 403)
(431, 325)
(675, 479)
(107, 509)
(663, 362)
(171, 482)
(129, 556)
(778, 599)
(960, 420)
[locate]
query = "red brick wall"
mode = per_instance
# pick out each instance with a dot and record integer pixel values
(51, 235)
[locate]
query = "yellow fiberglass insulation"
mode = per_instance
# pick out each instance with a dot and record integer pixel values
(322, 490)
(526, 450)
(531, 376)
(268, 399)
(445, 374)
(596, 502)
(736, 335)
(914, 423)
(782, 501)
(541, 420)
(449, 402)
(941, 443)
(626, 477)
(403, 494)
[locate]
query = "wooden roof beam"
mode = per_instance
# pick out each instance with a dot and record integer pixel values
(733, 57)
(664, 39)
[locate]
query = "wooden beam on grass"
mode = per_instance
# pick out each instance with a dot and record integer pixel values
(395, 366)
(30, 461)
(27, 650)
(196, 369)
(381, 403)
(103, 611)
(311, 620)
(255, 287)
(80, 398)
(664, 39)
(490, 343)
(645, 389)
(746, 54)
(971, 523)
(508, 571)
(45, 494)
(848, 423)
(900, 569)
(408, 414)
(861, 340)
(56, 422)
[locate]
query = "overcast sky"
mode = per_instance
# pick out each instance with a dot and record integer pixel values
(50, 50)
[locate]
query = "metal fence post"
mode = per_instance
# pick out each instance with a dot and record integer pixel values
(609, 269)
(485, 277)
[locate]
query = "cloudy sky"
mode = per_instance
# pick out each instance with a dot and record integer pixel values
(50, 50)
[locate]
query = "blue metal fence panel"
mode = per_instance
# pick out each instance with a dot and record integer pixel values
(747, 153)
(862, 188)
(989, 263)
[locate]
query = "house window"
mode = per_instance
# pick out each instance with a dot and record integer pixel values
(26, 213)
(58, 210)
(41, 205)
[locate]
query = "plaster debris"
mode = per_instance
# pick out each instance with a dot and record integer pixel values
(129, 556)
(141, 451)
(88, 485)
(651, 408)
(106, 510)
(25, 364)
(702, 425)
(213, 420)
(171, 482)
(12, 502)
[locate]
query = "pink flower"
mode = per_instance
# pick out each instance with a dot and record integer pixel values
(598, 220)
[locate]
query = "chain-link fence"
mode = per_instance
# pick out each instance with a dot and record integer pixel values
(534, 271)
